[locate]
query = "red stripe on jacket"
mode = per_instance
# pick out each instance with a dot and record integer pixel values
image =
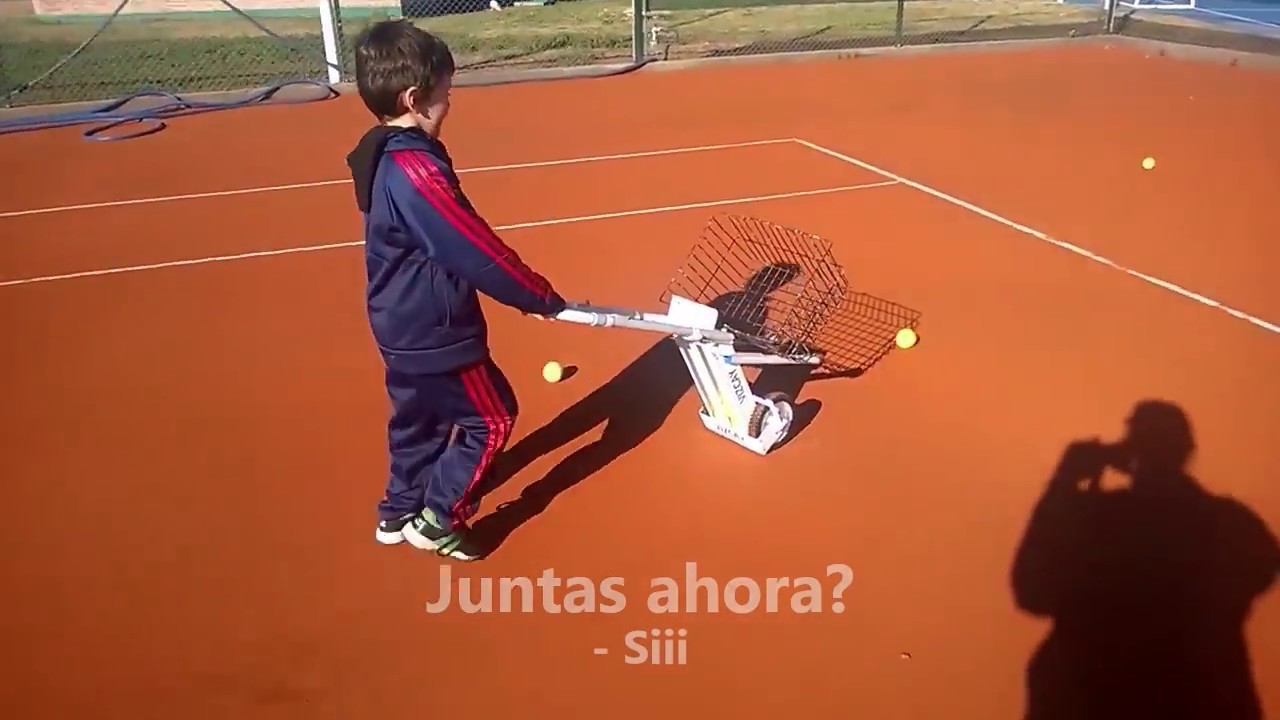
(436, 189)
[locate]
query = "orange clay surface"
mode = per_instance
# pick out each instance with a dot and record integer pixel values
(193, 453)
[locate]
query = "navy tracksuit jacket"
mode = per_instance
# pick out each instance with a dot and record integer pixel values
(427, 255)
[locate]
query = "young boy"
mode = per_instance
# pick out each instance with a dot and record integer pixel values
(427, 253)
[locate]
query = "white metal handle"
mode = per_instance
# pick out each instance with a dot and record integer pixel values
(585, 314)
(585, 317)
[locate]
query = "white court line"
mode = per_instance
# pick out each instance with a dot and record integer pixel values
(1190, 295)
(514, 226)
(347, 181)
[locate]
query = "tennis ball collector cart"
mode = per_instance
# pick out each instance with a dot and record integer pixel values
(751, 293)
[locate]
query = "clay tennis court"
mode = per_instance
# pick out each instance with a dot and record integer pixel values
(194, 424)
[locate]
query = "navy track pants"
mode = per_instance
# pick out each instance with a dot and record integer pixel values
(427, 470)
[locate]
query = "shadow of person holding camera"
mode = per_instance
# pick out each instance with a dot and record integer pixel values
(1148, 586)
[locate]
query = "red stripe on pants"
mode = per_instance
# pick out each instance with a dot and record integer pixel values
(483, 394)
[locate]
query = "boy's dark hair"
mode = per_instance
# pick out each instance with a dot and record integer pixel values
(393, 56)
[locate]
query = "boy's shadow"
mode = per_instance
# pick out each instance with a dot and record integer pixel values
(1148, 586)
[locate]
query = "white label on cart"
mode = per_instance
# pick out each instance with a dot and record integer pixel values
(739, 385)
(724, 407)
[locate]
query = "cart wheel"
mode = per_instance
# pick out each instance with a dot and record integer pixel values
(782, 411)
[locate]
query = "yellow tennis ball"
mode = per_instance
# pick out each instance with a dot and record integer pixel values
(1148, 163)
(552, 372)
(906, 338)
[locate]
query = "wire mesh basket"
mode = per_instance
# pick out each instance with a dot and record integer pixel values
(781, 291)
(860, 333)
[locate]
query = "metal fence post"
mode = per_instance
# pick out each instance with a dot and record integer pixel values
(329, 34)
(897, 27)
(344, 70)
(639, 43)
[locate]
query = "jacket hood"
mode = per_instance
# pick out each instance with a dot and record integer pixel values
(363, 160)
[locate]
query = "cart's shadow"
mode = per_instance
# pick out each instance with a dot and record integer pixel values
(632, 406)
(638, 400)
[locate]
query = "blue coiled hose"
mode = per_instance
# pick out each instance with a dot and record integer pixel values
(113, 115)
(151, 119)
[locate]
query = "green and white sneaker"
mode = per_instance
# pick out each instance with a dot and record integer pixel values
(424, 532)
